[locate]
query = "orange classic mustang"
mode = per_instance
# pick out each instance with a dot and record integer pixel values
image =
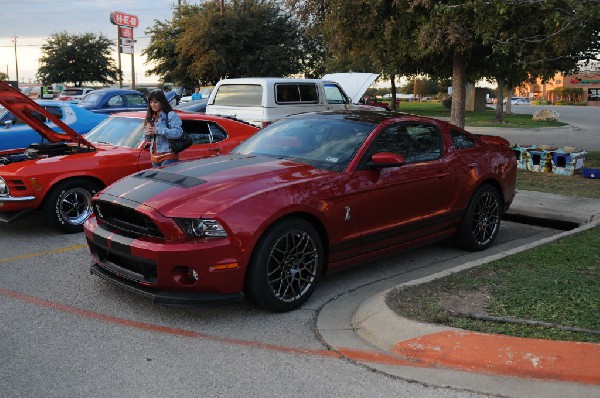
(61, 172)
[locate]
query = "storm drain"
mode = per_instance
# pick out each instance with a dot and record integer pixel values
(542, 222)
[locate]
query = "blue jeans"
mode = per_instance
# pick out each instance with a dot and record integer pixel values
(164, 162)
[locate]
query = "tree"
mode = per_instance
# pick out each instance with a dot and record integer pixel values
(251, 38)
(77, 59)
(562, 37)
(3, 76)
(162, 51)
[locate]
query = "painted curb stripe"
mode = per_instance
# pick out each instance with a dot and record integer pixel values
(506, 355)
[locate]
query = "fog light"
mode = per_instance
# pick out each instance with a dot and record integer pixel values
(185, 275)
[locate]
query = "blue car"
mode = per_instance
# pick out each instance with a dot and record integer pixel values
(112, 100)
(15, 134)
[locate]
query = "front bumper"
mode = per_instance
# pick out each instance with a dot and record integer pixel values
(161, 270)
(167, 298)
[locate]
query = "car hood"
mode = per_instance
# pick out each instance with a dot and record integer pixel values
(23, 107)
(354, 84)
(192, 189)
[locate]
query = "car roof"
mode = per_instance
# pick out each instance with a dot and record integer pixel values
(182, 114)
(359, 116)
(267, 80)
(23, 107)
(115, 90)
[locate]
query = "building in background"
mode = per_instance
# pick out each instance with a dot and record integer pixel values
(583, 87)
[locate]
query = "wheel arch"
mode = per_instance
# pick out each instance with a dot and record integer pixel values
(98, 182)
(495, 184)
(310, 218)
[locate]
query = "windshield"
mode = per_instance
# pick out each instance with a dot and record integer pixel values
(73, 91)
(91, 98)
(118, 131)
(327, 144)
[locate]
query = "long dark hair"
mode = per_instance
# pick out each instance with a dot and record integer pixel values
(157, 95)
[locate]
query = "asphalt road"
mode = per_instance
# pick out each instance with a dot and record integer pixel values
(583, 131)
(66, 333)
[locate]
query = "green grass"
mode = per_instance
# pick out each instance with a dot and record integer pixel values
(474, 119)
(558, 283)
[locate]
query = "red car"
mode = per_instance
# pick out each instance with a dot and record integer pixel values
(308, 195)
(60, 173)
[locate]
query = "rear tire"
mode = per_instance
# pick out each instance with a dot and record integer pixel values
(69, 204)
(481, 222)
(285, 266)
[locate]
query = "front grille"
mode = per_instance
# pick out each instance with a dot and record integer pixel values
(129, 267)
(126, 220)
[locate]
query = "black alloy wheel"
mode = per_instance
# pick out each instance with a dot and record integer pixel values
(286, 266)
(481, 221)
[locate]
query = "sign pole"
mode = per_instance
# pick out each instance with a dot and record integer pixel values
(119, 56)
(132, 68)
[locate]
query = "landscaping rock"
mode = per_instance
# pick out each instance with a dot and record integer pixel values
(545, 115)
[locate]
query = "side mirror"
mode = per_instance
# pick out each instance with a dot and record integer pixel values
(386, 159)
(8, 124)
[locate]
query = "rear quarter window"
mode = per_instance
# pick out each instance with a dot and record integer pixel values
(290, 93)
(239, 95)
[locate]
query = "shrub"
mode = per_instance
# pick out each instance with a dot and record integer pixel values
(447, 103)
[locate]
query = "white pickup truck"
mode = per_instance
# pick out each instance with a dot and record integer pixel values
(263, 100)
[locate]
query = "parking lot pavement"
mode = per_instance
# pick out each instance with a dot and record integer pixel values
(437, 355)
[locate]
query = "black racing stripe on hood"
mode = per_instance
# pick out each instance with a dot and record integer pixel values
(177, 180)
(148, 183)
(132, 190)
(205, 167)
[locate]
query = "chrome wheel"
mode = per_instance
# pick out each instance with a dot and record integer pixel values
(69, 204)
(75, 206)
(292, 266)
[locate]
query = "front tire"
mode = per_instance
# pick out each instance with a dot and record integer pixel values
(286, 266)
(481, 222)
(69, 204)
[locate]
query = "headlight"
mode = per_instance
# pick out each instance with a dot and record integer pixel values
(3, 187)
(201, 228)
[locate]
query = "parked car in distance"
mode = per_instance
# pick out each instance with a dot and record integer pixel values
(112, 100)
(193, 106)
(60, 174)
(74, 94)
(518, 101)
(263, 100)
(307, 195)
(17, 134)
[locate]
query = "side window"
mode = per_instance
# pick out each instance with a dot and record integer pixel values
(461, 140)
(115, 101)
(335, 95)
(216, 132)
(198, 130)
(55, 110)
(287, 93)
(296, 92)
(135, 99)
(309, 93)
(416, 142)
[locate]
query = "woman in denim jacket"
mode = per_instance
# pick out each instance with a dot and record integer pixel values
(161, 124)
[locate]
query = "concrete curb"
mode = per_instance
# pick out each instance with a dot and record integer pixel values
(362, 327)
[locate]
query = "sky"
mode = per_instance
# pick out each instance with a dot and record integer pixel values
(33, 21)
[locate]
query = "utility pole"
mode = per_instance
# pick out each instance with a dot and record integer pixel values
(14, 40)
